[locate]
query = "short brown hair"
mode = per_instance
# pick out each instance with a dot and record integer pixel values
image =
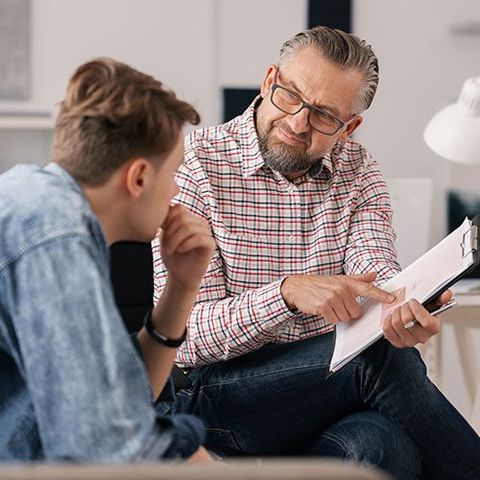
(345, 50)
(113, 113)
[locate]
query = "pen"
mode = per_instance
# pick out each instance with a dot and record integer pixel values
(438, 311)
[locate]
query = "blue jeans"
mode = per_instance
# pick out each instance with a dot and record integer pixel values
(367, 438)
(278, 401)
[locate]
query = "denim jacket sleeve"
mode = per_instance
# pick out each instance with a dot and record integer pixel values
(88, 385)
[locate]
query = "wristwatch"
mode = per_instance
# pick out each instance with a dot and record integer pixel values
(158, 337)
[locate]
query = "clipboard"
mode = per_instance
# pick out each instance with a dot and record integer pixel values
(425, 279)
(469, 245)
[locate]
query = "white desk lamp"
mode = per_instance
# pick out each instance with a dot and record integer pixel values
(454, 132)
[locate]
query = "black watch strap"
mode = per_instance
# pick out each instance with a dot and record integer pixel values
(158, 337)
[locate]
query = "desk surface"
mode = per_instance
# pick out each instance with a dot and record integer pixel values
(467, 293)
(470, 286)
(466, 313)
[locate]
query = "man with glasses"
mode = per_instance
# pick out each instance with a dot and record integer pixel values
(302, 222)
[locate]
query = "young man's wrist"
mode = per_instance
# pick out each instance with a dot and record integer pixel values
(178, 298)
(166, 341)
(179, 290)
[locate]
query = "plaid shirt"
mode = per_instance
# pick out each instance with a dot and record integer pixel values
(334, 220)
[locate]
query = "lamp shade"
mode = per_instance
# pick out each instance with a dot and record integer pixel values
(454, 132)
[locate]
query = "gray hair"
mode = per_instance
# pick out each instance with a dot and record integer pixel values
(345, 50)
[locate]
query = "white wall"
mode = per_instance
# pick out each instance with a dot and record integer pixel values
(24, 146)
(195, 47)
(251, 33)
(171, 40)
(423, 67)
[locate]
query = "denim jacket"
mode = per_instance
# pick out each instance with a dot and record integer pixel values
(72, 384)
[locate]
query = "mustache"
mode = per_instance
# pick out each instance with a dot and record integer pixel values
(303, 137)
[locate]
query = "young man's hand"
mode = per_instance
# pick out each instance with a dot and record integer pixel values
(332, 297)
(186, 247)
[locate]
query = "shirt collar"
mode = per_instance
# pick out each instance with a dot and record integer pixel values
(326, 165)
(252, 159)
(59, 171)
(94, 222)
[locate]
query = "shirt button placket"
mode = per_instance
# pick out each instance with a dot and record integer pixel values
(296, 214)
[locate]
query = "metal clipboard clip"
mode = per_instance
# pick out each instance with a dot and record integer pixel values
(469, 244)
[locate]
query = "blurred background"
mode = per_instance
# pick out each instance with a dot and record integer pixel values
(214, 54)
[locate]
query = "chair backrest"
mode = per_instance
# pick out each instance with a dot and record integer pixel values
(132, 279)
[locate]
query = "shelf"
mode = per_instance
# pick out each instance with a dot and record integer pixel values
(25, 122)
(25, 117)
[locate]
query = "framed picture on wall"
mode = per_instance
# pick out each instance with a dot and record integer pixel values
(14, 49)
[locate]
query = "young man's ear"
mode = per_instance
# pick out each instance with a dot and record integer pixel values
(351, 127)
(268, 81)
(136, 176)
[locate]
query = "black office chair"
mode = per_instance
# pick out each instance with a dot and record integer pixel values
(132, 280)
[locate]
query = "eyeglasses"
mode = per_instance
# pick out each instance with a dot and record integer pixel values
(318, 118)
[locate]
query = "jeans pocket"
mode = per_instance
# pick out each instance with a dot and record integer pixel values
(222, 442)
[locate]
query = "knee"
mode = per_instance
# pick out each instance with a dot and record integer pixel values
(369, 438)
(404, 363)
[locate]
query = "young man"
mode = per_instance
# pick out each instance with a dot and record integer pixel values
(73, 385)
(302, 222)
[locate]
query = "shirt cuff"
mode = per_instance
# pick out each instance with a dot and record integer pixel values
(173, 437)
(272, 305)
(188, 435)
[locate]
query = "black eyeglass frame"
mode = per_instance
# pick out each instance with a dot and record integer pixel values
(303, 104)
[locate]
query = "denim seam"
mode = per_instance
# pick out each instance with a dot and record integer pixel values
(228, 432)
(370, 380)
(338, 441)
(45, 241)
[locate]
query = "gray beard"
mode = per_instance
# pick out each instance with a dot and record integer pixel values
(283, 160)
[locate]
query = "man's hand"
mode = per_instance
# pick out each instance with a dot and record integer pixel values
(333, 297)
(427, 325)
(201, 456)
(186, 247)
